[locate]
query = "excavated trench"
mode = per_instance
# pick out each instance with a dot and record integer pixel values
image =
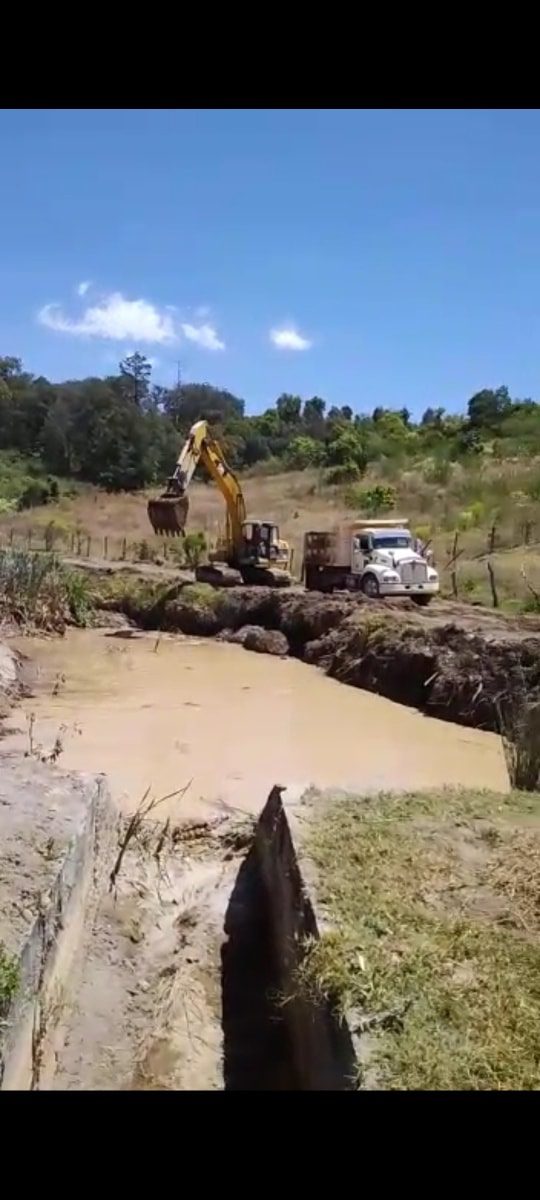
(184, 972)
(257, 1051)
(451, 661)
(163, 968)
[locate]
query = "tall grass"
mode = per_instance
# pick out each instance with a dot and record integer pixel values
(519, 723)
(38, 590)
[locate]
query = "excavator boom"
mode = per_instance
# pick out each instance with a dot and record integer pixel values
(168, 514)
(251, 551)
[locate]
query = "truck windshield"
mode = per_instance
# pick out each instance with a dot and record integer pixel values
(392, 541)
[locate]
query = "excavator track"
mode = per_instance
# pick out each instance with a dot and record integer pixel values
(266, 577)
(218, 575)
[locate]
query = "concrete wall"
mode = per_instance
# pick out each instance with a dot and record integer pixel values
(58, 834)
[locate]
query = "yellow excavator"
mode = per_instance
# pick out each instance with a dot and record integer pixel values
(250, 552)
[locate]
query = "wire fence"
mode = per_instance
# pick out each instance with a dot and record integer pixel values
(91, 546)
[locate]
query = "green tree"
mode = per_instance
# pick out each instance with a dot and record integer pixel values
(289, 408)
(314, 409)
(346, 448)
(488, 408)
(136, 371)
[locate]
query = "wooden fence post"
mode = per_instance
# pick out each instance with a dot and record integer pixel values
(492, 585)
(124, 548)
(79, 545)
(88, 544)
(29, 539)
(105, 547)
(11, 537)
(454, 572)
(72, 542)
(491, 538)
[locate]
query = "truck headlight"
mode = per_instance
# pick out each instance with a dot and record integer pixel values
(390, 577)
(433, 575)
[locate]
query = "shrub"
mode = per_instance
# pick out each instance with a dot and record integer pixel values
(374, 500)
(35, 493)
(341, 473)
(38, 589)
(194, 548)
(9, 979)
(519, 723)
(438, 471)
(143, 552)
(303, 452)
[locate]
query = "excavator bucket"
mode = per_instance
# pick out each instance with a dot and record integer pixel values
(168, 514)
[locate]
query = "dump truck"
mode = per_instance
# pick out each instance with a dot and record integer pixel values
(248, 551)
(379, 558)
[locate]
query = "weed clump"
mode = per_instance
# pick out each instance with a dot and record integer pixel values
(9, 979)
(38, 590)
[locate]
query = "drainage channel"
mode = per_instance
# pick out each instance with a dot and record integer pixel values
(257, 1054)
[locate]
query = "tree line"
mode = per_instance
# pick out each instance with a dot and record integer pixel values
(124, 432)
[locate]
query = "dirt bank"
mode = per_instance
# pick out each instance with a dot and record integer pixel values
(453, 661)
(16, 678)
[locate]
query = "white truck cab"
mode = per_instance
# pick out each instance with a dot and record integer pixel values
(388, 561)
(379, 558)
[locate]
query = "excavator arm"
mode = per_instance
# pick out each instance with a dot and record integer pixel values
(168, 514)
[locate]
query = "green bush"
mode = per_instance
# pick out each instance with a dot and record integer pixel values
(438, 471)
(374, 500)
(303, 452)
(9, 979)
(341, 473)
(38, 589)
(35, 493)
(194, 548)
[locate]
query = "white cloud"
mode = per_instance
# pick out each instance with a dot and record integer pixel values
(203, 335)
(83, 287)
(114, 318)
(289, 339)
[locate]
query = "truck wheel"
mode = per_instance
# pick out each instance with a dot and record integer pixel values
(370, 586)
(422, 600)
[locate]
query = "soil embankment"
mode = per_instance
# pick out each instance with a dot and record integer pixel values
(453, 661)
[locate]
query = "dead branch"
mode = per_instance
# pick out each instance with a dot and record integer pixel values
(145, 807)
(529, 584)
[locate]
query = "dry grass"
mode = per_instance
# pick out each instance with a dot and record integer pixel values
(298, 501)
(519, 723)
(434, 903)
(292, 500)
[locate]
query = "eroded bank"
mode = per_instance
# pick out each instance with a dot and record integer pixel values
(452, 661)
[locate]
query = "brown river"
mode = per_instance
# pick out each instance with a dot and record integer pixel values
(162, 714)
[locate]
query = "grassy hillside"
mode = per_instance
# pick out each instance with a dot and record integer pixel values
(440, 503)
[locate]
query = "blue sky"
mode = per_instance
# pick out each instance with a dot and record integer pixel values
(370, 257)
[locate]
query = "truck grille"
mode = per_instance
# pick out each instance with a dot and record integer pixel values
(415, 572)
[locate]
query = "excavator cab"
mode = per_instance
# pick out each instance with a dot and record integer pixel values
(261, 541)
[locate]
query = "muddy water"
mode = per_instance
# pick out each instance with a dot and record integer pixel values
(157, 715)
